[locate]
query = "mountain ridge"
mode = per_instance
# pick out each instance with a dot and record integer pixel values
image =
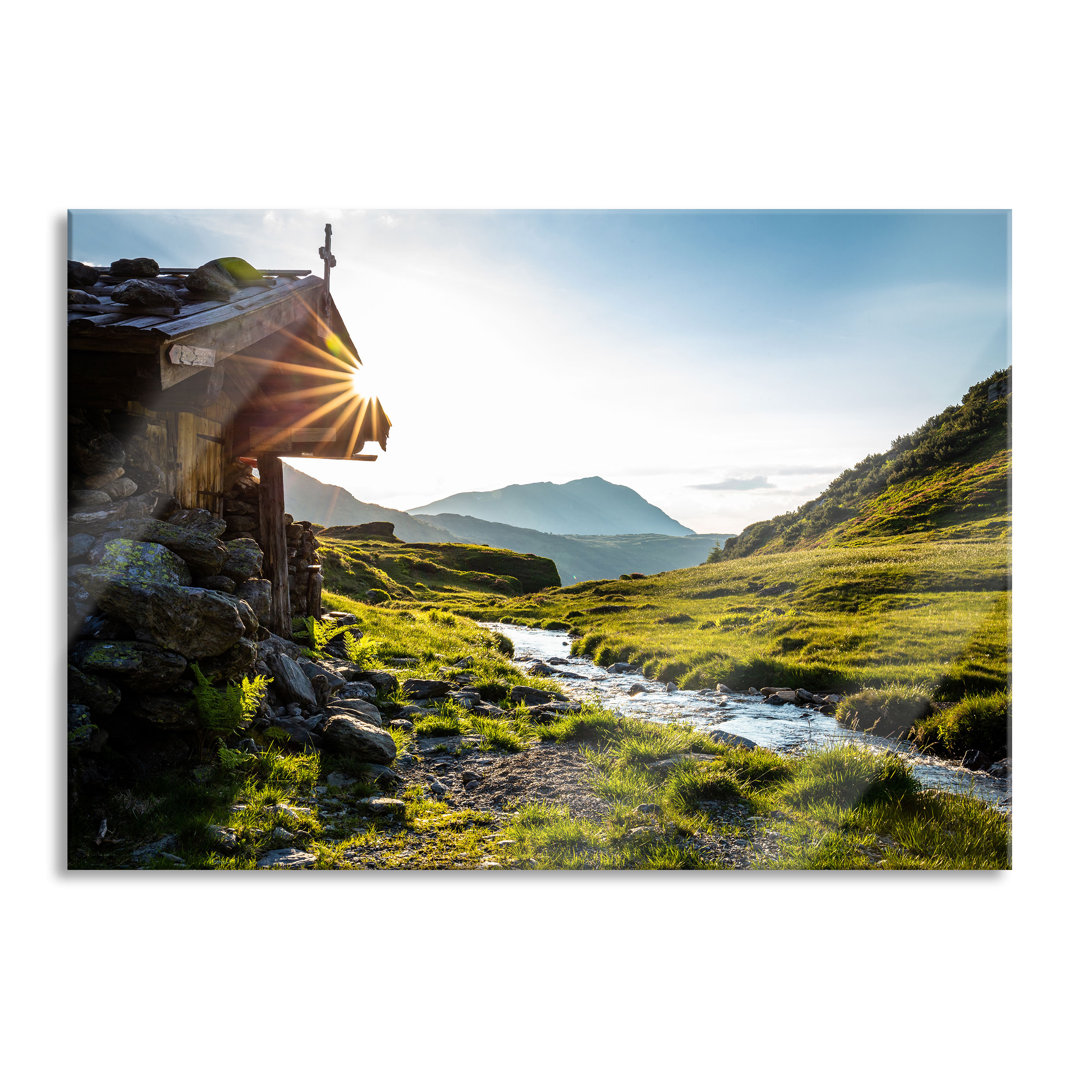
(589, 506)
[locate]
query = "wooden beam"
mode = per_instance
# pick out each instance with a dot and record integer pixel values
(272, 531)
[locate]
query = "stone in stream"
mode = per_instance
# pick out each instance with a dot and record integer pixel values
(623, 669)
(637, 688)
(783, 697)
(671, 687)
(732, 740)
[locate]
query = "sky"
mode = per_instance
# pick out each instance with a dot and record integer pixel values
(725, 365)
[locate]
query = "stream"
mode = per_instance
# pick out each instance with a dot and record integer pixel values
(784, 728)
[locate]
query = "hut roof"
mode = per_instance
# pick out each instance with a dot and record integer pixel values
(276, 335)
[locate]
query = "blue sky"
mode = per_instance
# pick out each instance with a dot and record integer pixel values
(725, 365)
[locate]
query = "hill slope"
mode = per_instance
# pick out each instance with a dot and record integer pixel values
(589, 507)
(308, 499)
(949, 478)
(582, 558)
(354, 563)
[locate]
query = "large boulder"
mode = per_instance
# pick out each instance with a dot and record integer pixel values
(256, 593)
(349, 735)
(290, 682)
(201, 550)
(360, 708)
(232, 665)
(198, 518)
(243, 560)
(422, 689)
(136, 664)
(193, 622)
(137, 562)
(99, 695)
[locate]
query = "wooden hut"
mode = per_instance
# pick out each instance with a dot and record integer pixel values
(222, 362)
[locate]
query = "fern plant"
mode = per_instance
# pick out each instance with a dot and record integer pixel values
(221, 712)
(318, 634)
(360, 652)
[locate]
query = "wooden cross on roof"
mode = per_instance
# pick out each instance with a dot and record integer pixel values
(328, 261)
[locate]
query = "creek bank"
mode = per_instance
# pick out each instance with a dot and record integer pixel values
(787, 720)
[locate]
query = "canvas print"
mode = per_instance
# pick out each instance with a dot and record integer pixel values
(538, 540)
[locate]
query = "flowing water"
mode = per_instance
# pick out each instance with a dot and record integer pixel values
(784, 728)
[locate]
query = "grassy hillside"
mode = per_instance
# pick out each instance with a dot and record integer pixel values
(353, 564)
(947, 479)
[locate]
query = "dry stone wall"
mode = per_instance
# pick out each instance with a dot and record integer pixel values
(242, 521)
(152, 587)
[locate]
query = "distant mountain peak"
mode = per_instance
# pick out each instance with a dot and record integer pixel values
(589, 506)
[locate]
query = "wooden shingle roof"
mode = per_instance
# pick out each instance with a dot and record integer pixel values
(277, 335)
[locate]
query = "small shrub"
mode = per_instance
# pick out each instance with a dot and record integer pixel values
(889, 711)
(980, 722)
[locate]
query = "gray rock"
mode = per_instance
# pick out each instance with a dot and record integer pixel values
(256, 592)
(79, 546)
(286, 859)
(193, 622)
(341, 780)
(145, 294)
(99, 695)
(637, 688)
(88, 498)
(363, 690)
(290, 682)
(721, 688)
(122, 488)
(671, 687)
(648, 808)
(312, 669)
(136, 561)
(135, 268)
(976, 760)
(783, 697)
(200, 520)
(80, 276)
(163, 711)
(358, 707)
(244, 559)
(203, 552)
(1001, 769)
(529, 695)
(732, 740)
(222, 838)
(385, 682)
(150, 851)
(623, 669)
(80, 727)
(378, 804)
(422, 689)
(137, 664)
(219, 582)
(231, 665)
(349, 735)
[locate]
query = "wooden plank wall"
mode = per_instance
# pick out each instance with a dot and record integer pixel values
(191, 450)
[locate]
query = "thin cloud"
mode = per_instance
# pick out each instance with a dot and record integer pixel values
(751, 483)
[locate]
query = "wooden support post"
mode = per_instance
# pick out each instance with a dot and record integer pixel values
(272, 531)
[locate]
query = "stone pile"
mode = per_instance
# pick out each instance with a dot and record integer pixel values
(242, 519)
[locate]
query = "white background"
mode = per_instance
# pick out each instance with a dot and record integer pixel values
(943, 105)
